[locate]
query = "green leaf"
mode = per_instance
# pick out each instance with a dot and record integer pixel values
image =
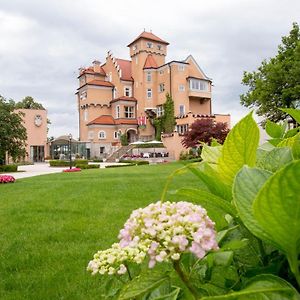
(291, 132)
(211, 154)
(142, 284)
(277, 209)
(234, 245)
(275, 159)
(171, 296)
(246, 186)
(222, 258)
(296, 147)
(295, 113)
(274, 142)
(239, 148)
(262, 287)
(274, 130)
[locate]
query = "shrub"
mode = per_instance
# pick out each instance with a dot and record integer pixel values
(119, 166)
(7, 179)
(86, 166)
(135, 162)
(81, 161)
(8, 168)
(60, 163)
(97, 160)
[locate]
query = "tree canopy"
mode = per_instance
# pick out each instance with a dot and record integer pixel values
(13, 134)
(276, 83)
(205, 130)
(29, 103)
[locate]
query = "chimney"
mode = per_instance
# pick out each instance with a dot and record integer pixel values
(96, 66)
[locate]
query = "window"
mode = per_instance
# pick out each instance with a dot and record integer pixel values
(198, 85)
(159, 47)
(115, 91)
(116, 135)
(181, 68)
(161, 87)
(149, 45)
(102, 150)
(149, 93)
(181, 110)
(91, 135)
(127, 91)
(117, 111)
(129, 112)
(102, 135)
(182, 129)
(181, 87)
(83, 95)
(85, 115)
(160, 111)
(149, 76)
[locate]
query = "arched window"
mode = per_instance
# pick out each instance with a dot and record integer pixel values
(102, 135)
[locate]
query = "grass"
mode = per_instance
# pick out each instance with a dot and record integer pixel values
(52, 225)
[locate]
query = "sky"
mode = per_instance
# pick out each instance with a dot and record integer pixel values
(43, 43)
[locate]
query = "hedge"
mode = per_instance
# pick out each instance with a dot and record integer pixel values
(8, 168)
(135, 162)
(86, 166)
(119, 166)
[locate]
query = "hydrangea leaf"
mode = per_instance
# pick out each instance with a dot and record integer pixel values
(142, 284)
(246, 186)
(275, 159)
(277, 210)
(262, 287)
(211, 154)
(239, 148)
(170, 296)
(274, 130)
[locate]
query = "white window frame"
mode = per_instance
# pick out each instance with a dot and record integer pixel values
(102, 135)
(160, 111)
(129, 112)
(149, 93)
(127, 91)
(181, 87)
(83, 95)
(182, 129)
(149, 77)
(198, 85)
(118, 111)
(161, 87)
(85, 115)
(159, 47)
(115, 93)
(181, 68)
(116, 135)
(181, 109)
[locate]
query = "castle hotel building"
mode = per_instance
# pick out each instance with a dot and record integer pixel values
(123, 96)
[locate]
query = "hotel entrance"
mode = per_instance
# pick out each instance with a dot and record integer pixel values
(37, 153)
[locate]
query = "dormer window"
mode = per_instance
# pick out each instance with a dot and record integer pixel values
(159, 47)
(127, 91)
(149, 45)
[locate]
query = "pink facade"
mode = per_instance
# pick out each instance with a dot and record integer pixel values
(122, 97)
(35, 122)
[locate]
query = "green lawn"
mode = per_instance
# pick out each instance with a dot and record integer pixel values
(52, 225)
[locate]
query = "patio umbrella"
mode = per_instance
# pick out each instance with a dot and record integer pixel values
(136, 144)
(154, 142)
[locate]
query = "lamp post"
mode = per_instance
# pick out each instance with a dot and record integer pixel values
(70, 149)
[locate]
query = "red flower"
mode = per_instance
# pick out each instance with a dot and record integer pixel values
(7, 179)
(72, 170)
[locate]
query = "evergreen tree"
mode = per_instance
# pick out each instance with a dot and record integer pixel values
(168, 118)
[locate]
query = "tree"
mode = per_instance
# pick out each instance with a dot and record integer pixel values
(168, 118)
(204, 130)
(276, 83)
(13, 134)
(29, 103)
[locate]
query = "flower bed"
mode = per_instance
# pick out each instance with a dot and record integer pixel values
(7, 179)
(71, 170)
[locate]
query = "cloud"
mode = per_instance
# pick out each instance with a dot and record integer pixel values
(43, 43)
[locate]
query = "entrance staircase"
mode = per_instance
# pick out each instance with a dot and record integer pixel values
(119, 153)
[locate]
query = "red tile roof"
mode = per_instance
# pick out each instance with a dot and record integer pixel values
(125, 98)
(103, 120)
(149, 36)
(109, 120)
(150, 62)
(100, 82)
(90, 70)
(125, 66)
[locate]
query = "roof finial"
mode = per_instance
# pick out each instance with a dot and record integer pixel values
(144, 30)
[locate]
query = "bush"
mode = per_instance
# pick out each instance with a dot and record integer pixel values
(9, 168)
(7, 179)
(60, 163)
(81, 161)
(86, 166)
(135, 162)
(119, 166)
(97, 160)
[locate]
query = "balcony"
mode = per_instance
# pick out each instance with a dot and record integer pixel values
(199, 94)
